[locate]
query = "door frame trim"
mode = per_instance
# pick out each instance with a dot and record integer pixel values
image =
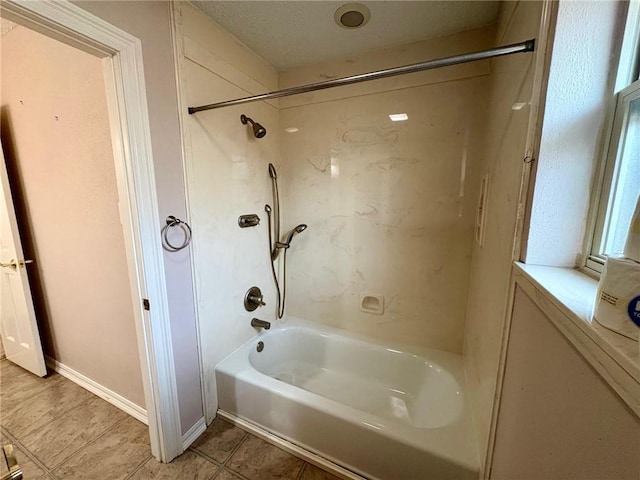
(131, 135)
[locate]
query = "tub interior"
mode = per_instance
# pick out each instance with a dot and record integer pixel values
(393, 385)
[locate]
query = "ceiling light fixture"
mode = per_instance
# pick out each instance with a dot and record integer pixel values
(352, 15)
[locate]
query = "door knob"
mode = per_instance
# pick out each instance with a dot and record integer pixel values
(13, 264)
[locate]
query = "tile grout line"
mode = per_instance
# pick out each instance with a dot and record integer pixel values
(304, 467)
(62, 413)
(205, 456)
(48, 472)
(52, 475)
(233, 452)
(249, 434)
(246, 436)
(139, 467)
(218, 468)
(27, 452)
(221, 466)
(235, 474)
(39, 462)
(59, 464)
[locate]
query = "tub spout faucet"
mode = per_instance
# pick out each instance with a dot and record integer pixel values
(256, 322)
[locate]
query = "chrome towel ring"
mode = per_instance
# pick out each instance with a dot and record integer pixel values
(175, 222)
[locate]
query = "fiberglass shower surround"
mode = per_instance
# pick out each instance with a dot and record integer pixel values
(383, 203)
(260, 131)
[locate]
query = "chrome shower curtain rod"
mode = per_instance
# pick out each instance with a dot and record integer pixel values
(528, 46)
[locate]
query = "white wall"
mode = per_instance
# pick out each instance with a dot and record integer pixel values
(581, 79)
(150, 22)
(390, 205)
(227, 177)
(57, 140)
(506, 143)
(558, 418)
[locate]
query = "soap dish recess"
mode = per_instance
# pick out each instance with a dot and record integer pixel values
(372, 303)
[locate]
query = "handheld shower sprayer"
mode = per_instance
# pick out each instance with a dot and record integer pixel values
(273, 217)
(258, 130)
(287, 243)
(299, 229)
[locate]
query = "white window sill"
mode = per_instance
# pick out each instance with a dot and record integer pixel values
(567, 297)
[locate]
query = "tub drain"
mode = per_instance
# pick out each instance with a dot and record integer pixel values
(260, 346)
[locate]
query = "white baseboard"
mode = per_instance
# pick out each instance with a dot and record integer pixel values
(291, 448)
(115, 399)
(193, 433)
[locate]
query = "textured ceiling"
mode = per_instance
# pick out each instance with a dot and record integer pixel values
(294, 33)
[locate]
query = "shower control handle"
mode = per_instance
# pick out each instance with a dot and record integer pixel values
(250, 220)
(257, 300)
(253, 299)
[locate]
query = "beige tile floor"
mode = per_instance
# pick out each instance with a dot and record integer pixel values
(61, 431)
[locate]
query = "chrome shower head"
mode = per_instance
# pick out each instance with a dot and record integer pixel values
(272, 171)
(299, 229)
(258, 130)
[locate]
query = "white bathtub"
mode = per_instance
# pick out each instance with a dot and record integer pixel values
(384, 413)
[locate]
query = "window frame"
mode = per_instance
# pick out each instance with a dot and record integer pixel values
(627, 89)
(594, 260)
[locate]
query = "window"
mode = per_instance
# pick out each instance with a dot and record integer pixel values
(620, 187)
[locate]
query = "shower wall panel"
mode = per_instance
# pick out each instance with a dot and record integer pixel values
(510, 94)
(390, 205)
(226, 177)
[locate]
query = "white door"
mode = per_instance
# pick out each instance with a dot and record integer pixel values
(18, 325)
